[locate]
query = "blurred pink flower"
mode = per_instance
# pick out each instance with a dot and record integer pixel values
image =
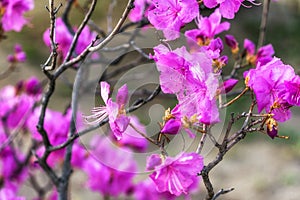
(109, 170)
(141, 8)
(12, 19)
(131, 138)
(64, 38)
(18, 56)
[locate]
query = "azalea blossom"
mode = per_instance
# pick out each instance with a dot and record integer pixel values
(228, 85)
(141, 8)
(131, 138)
(190, 77)
(109, 170)
(57, 125)
(263, 55)
(115, 111)
(268, 83)
(208, 27)
(291, 94)
(228, 8)
(175, 175)
(18, 56)
(170, 15)
(64, 38)
(13, 11)
(232, 43)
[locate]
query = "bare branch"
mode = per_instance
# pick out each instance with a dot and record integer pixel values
(263, 24)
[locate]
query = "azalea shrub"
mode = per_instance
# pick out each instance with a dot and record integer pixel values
(199, 68)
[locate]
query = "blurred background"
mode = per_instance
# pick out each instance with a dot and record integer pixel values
(259, 167)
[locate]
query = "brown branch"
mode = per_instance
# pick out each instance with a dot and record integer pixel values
(51, 62)
(263, 24)
(81, 27)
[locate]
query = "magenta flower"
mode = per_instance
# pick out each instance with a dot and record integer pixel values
(232, 43)
(57, 126)
(170, 15)
(115, 111)
(291, 94)
(228, 85)
(175, 175)
(228, 8)
(64, 38)
(264, 53)
(18, 56)
(191, 78)
(145, 190)
(33, 86)
(12, 19)
(141, 8)
(268, 83)
(131, 138)
(208, 27)
(172, 126)
(109, 170)
(10, 192)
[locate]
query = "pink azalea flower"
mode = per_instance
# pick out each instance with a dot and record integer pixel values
(57, 126)
(141, 8)
(10, 192)
(12, 19)
(115, 111)
(109, 170)
(191, 78)
(292, 92)
(18, 56)
(16, 104)
(232, 43)
(264, 53)
(268, 83)
(131, 138)
(228, 8)
(175, 175)
(170, 15)
(145, 190)
(64, 38)
(208, 27)
(228, 85)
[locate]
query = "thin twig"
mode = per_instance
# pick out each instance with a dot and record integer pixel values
(129, 6)
(111, 7)
(53, 57)
(202, 140)
(263, 24)
(80, 29)
(65, 16)
(221, 192)
(236, 98)
(143, 134)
